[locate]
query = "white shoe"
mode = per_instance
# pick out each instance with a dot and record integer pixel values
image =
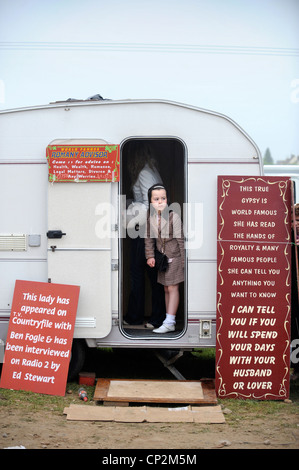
(165, 328)
(149, 326)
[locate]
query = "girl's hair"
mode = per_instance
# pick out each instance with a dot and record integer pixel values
(152, 188)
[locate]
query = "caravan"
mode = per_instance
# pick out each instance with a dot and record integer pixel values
(73, 230)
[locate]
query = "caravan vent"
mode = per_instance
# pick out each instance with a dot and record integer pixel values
(85, 322)
(13, 242)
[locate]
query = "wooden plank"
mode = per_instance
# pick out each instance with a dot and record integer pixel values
(155, 391)
(116, 403)
(208, 386)
(140, 414)
(102, 387)
(164, 415)
(208, 414)
(89, 413)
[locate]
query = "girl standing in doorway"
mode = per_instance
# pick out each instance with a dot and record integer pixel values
(144, 173)
(165, 233)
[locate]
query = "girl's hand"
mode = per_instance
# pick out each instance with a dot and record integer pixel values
(151, 262)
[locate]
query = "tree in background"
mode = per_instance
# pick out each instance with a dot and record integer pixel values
(268, 160)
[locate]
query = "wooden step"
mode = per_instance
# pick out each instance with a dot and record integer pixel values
(122, 391)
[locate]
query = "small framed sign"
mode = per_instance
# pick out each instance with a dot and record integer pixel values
(85, 163)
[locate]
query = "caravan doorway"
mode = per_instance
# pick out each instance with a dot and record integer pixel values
(169, 156)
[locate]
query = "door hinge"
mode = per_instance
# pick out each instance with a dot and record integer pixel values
(114, 266)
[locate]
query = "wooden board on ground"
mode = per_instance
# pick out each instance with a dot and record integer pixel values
(140, 414)
(155, 391)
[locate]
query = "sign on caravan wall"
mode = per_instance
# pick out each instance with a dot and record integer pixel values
(39, 338)
(253, 287)
(83, 163)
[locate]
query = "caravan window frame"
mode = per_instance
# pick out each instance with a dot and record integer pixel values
(182, 331)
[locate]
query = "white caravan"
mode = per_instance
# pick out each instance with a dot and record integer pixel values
(291, 171)
(192, 146)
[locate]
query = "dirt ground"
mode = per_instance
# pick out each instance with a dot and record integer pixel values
(38, 422)
(48, 430)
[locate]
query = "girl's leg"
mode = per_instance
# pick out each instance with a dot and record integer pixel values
(172, 299)
(166, 297)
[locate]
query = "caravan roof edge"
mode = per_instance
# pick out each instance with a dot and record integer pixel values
(80, 103)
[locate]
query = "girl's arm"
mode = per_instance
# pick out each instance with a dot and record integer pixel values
(149, 246)
(151, 262)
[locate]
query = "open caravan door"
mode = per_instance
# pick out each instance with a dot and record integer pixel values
(79, 227)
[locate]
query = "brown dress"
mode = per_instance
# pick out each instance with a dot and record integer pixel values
(167, 234)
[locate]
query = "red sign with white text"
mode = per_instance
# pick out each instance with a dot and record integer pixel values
(93, 163)
(39, 339)
(253, 287)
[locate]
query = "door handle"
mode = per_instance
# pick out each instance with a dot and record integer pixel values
(55, 234)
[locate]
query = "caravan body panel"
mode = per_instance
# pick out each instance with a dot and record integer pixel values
(213, 144)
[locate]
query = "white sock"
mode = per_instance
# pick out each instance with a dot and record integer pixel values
(170, 319)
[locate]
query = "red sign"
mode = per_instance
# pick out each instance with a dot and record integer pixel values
(253, 287)
(83, 163)
(39, 339)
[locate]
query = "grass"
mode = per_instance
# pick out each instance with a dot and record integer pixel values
(30, 401)
(240, 409)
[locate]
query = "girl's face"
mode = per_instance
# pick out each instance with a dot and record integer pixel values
(159, 199)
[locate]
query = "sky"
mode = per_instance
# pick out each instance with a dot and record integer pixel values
(236, 57)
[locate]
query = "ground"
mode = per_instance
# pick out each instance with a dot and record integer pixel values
(37, 421)
(51, 430)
